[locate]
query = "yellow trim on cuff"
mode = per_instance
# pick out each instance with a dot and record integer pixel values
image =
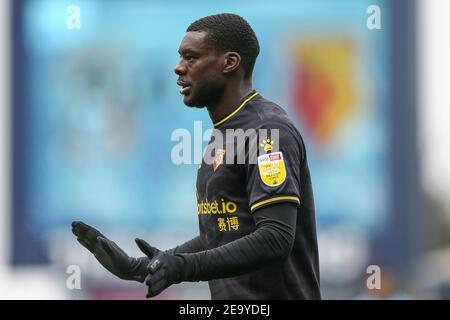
(258, 204)
(237, 109)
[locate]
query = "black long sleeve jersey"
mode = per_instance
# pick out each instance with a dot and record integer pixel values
(255, 158)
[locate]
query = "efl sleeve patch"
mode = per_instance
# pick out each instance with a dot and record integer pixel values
(272, 169)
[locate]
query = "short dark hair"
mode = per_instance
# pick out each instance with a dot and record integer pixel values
(230, 32)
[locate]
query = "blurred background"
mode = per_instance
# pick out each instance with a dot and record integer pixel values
(88, 103)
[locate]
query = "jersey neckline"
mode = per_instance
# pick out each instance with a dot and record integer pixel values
(253, 94)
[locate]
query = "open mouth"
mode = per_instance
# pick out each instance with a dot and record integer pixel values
(185, 88)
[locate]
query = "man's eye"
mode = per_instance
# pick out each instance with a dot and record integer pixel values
(189, 58)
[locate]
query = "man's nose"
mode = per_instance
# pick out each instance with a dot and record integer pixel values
(180, 68)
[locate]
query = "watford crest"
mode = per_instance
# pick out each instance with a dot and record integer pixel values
(218, 159)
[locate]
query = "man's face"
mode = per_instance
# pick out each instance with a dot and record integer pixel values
(200, 74)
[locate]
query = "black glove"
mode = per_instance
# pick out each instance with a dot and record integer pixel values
(109, 254)
(164, 268)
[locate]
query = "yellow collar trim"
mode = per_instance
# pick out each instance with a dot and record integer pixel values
(237, 110)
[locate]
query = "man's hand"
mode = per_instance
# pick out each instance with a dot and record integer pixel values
(109, 254)
(164, 269)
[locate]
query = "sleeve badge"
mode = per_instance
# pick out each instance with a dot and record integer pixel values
(272, 169)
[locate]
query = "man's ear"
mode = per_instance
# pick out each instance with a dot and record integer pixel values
(231, 62)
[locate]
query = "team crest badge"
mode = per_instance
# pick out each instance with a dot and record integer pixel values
(267, 144)
(218, 159)
(272, 169)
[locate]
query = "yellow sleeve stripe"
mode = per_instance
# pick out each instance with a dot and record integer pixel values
(237, 109)
(289, 198)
